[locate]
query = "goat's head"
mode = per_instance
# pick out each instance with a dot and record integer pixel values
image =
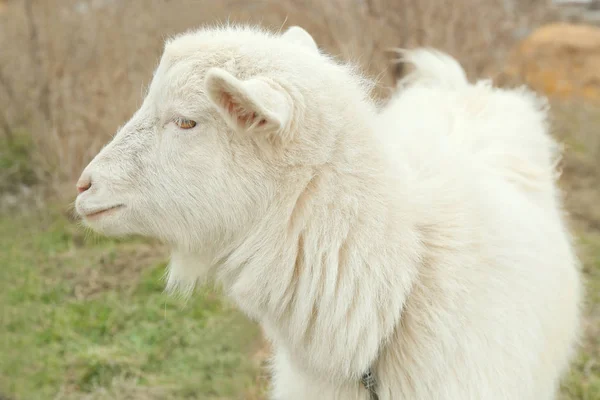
(228, 114)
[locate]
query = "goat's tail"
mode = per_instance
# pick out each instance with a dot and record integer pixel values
(429, 67)
(506, 129)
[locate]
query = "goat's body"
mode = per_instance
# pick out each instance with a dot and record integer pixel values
(424, 242)
(492, 312)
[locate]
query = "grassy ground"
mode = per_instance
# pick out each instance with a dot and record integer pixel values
(583, 381)
(88, 319)
(84, 318)
(576, 125)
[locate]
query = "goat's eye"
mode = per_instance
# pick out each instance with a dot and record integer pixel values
(184, 123)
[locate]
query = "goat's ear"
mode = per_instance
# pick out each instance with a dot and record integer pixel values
(254, 105)
(297, 35)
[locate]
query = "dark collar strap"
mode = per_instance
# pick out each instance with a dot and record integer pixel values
(369, 382)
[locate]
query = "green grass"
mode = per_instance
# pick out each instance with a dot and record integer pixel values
(84, 317)
(583, 380)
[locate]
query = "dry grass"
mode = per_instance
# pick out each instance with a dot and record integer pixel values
(72, 71)
(576, 125)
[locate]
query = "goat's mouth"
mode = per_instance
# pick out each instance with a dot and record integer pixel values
(94, 214)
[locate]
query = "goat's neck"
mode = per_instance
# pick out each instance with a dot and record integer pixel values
(329, 280)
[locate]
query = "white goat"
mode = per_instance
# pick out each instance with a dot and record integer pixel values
(423, 244)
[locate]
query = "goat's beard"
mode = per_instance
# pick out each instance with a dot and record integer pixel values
(185, 271)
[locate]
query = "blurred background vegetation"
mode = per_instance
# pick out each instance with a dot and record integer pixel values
(84, 317)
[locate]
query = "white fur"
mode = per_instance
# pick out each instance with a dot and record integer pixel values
(425, 241)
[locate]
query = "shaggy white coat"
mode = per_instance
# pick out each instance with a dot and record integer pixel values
(425, 241)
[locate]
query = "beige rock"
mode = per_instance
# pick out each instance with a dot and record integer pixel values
(559, 60)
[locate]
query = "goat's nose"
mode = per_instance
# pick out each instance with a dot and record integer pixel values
(84, 183)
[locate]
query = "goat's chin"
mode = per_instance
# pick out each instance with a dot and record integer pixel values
(110, 226)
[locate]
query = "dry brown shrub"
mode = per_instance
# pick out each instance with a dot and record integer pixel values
(72, 71)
